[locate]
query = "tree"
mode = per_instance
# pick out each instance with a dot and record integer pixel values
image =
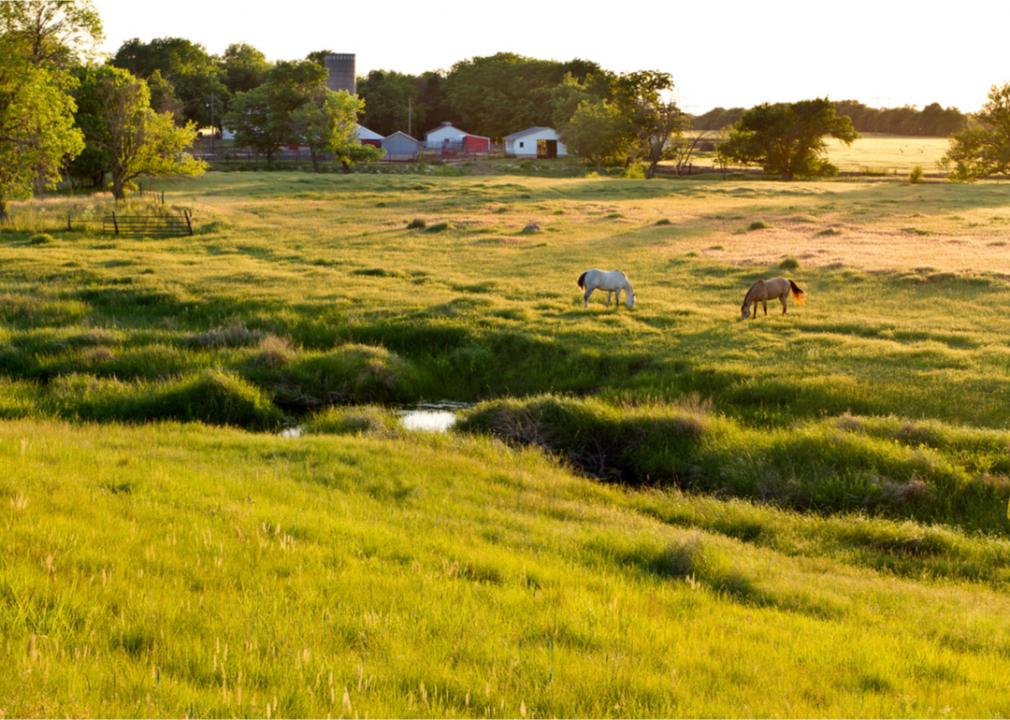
(328, 122)
(599, 132)
(37, 132)
(502, 93)
(51, 32)
(193, 73)
(262, 117)
(126, 135)
(787, 139)
(983, 147)
(389, 96)
(243, 67)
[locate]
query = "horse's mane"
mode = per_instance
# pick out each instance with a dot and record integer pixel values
(749, 293)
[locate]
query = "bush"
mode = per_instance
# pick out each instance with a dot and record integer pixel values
(915, 177)
(789, 263)
(40, 239)
(417, 224)
(758, 225)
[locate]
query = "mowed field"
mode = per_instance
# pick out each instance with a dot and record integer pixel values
(657, 511)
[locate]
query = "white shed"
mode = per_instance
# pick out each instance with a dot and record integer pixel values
(437, 138)
(542, 142)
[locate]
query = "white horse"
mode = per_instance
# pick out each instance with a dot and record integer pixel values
(613, 281)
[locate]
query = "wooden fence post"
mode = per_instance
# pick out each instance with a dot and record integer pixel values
(115, 223)
(189, 220)
(68, 222)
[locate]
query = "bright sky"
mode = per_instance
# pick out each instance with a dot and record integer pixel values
(729, 53)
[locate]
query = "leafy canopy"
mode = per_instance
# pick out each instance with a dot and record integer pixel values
(983, 147)
(37, 132)
(125, 137)
(787, 139)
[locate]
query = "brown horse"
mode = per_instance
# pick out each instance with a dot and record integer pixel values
(764, 290)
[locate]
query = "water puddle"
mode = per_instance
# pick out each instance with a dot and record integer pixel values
(431, 417)
(424, 417)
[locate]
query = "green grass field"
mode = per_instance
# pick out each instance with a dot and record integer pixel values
(661, 511)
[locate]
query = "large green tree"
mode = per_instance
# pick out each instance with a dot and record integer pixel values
(262, 117)
(55, 33)
(125, 137)
(243, 67)
(327, 122)
(194, 74)
(37, 132)
(389, 97)
(787, 139)
(500, 94)
(983, 147)
(600, 132)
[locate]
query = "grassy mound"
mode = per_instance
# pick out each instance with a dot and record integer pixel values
(212, 396)
(817, 465)
(171, 569)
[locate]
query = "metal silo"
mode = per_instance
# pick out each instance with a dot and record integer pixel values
(341, 73)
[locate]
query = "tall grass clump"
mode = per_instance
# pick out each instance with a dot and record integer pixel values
(373, 420)
(213, 396)
(351, 373)
(814, 466)
(916, 175)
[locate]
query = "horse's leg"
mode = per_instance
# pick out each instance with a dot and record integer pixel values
(589, 291)
(617, 297)
(782, 299)
(609, 295)
(755, 314)
(764, 304)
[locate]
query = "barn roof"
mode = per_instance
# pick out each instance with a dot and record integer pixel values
(402, 134)
(366, 134)
(528, 131)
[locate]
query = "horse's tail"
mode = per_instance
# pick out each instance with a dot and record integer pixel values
(798, 294)
(582, 279)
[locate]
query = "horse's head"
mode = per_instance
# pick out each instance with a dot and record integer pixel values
(629, 298)
(745, 311)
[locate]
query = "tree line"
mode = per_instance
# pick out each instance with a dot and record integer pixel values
(932, 121)
(65, 115)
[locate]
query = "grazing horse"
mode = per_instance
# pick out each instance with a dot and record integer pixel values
(613, 281)
(764, 290)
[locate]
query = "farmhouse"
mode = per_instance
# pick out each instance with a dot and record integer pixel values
(541, 142)
(401, 146)
(368, 137)
(450, 140)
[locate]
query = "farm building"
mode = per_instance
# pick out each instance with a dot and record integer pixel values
(401, 146)
(540, 142)
(450, 140)
(369, 137)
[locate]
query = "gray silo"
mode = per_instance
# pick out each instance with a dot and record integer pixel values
(340, 69)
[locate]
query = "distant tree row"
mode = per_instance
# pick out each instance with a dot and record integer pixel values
(932, 121)
(61, 114)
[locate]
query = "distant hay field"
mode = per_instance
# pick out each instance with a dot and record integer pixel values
(890, 154)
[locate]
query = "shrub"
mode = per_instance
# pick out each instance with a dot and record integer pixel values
(915, 177)
(789, 263)
(274, 352)
(758, 225)
(40, 239)
(417, 224)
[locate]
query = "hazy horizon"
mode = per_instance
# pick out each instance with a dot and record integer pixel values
(741, 54)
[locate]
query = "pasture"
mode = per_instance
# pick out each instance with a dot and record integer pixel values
(689, 514)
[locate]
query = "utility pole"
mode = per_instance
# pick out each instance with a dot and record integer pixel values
(410, 116)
